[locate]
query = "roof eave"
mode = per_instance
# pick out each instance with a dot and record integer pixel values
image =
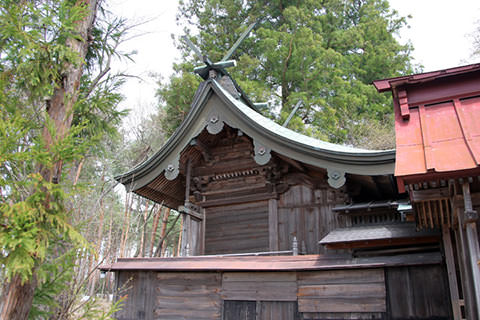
(362, 162)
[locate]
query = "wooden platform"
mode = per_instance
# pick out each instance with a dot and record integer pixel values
(269, 263)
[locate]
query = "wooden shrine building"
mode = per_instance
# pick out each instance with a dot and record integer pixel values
(278, 225)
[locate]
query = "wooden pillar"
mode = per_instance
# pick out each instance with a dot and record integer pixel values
(463, 264)
(273, 224)
(187, 228)
(202, 239)
(452, 276)
(472, 247)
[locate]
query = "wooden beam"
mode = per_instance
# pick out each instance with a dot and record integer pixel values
(239, 199)
(200, 146)
(382, 243)
(187, 228)
(452, 275)
(191, 212)
(429, 194)
(463, 263)
(472, 244)
(273, 224)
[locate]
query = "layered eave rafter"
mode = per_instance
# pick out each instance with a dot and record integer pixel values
(213, 107)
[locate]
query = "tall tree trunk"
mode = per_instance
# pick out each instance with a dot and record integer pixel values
(143, 230)
(17, 297)
(179, 245)
(164, 230)
(98, 246)
(156, 218)
(126, 222)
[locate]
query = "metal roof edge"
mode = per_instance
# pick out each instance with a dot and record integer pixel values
(383, 85)
(201, 95)
(318, 153)
(324, 150)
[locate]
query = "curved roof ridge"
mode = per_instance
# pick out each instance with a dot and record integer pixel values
(212, 98)
(293, 135)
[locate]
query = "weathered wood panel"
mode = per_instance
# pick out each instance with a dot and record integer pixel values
(342, 291)
(260, 286)
(181, 295)
(237, 228)
(276, 310)
(239, 310)
(419, 292)
(196, 244)
(135, 286)
(343, 315)
(306, 214)
(273, 224)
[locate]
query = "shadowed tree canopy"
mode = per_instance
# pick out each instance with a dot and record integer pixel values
(325, 53)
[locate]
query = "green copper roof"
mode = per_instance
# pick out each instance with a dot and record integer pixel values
(214, 106)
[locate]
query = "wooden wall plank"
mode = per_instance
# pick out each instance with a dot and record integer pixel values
(239, 310)
(187, 295)
(276, 310)
(337, 304)
(343, 315)
(306, 214)
(341, 276)
(344, 291)
(136, 287)
(259, 286)
(419, 292)
(273, 224)
(237, 228)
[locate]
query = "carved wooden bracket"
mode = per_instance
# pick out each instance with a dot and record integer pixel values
(336, 178)
(262, 154)
(171, 170)
(191, 209)
(403, 103)
(214, 123)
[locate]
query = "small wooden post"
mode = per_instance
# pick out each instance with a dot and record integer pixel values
(295, 246)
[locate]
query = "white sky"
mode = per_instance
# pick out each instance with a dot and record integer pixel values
(439, 31)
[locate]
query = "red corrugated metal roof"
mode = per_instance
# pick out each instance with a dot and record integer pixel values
(268, 263)
(438, 138)
(387, 84)
(437, 124)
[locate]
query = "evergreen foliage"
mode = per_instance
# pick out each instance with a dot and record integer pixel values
(41, 149)
(325, 53)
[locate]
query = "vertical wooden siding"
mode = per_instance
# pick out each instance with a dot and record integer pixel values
(237, 228)
(260, 310)
(418, 293)
(307, 214)
(239, 310)
(139, 292)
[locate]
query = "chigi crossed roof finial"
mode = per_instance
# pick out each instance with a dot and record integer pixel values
(217, 67)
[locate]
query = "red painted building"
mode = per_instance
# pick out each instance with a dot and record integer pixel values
(437, 126)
